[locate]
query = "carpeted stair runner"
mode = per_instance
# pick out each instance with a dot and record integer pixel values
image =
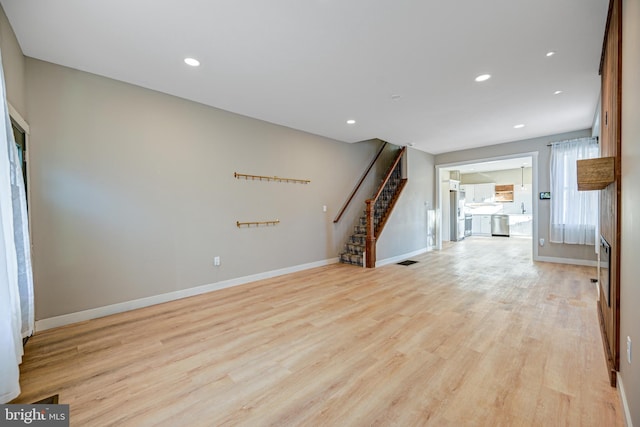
(355, 246)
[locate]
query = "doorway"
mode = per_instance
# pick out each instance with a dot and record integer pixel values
(20, 130)
(493, 191)
(20, 137)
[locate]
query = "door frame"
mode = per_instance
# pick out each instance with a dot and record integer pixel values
(22, 123)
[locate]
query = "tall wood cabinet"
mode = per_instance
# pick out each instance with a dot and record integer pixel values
(610, 196)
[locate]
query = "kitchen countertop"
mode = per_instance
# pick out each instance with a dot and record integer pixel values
(524, 216)
(521, 224)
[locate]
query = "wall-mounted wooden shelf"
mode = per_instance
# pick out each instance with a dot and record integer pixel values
(595, 174)
(504, 193)
(257, 223)
(270, 178)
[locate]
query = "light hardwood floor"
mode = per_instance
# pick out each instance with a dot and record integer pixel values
(474, 335)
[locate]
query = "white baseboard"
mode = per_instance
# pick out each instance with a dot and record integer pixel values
(625, 404)
(572, 261)
(94, 313)
(399, 258)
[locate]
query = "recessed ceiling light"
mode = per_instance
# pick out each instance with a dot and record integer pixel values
(519, 126)
(192, 61)
(558, 92)
(395, 97)
(483, 77)
(550, 53)
(351, 122)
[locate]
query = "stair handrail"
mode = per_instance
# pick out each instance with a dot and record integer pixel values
(370, 242)
(387, 177)
(359, 184)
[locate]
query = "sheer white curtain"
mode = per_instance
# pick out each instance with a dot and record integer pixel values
(16, 282)
(574, 214)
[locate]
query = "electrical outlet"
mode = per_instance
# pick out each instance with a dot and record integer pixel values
(541, 242)
(629, 350)
(216, 261)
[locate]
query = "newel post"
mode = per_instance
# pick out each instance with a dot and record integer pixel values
(370, 248)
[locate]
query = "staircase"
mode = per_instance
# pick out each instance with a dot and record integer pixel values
(383, 202)
(354, 248)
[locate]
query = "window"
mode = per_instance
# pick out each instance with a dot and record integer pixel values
(574, 214)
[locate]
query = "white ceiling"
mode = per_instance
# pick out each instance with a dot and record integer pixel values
(313, 64)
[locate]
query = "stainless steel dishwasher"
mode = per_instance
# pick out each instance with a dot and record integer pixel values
(500, 225)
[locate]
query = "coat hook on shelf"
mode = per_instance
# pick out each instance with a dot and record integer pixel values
(257, 223)
(270, 178)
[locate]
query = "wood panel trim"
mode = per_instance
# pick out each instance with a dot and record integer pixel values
(607, 351)
(606, 36)
(610, 196)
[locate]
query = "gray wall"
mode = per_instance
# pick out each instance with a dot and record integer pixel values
(406, 230)
(368, 188)
(133, 192)
(13, 65)
(539, 145)
(630, 240)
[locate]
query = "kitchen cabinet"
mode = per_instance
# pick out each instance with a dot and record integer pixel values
(481, 225)
(475, 225)
(485, 225)
(484, 193)
(479, 193)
